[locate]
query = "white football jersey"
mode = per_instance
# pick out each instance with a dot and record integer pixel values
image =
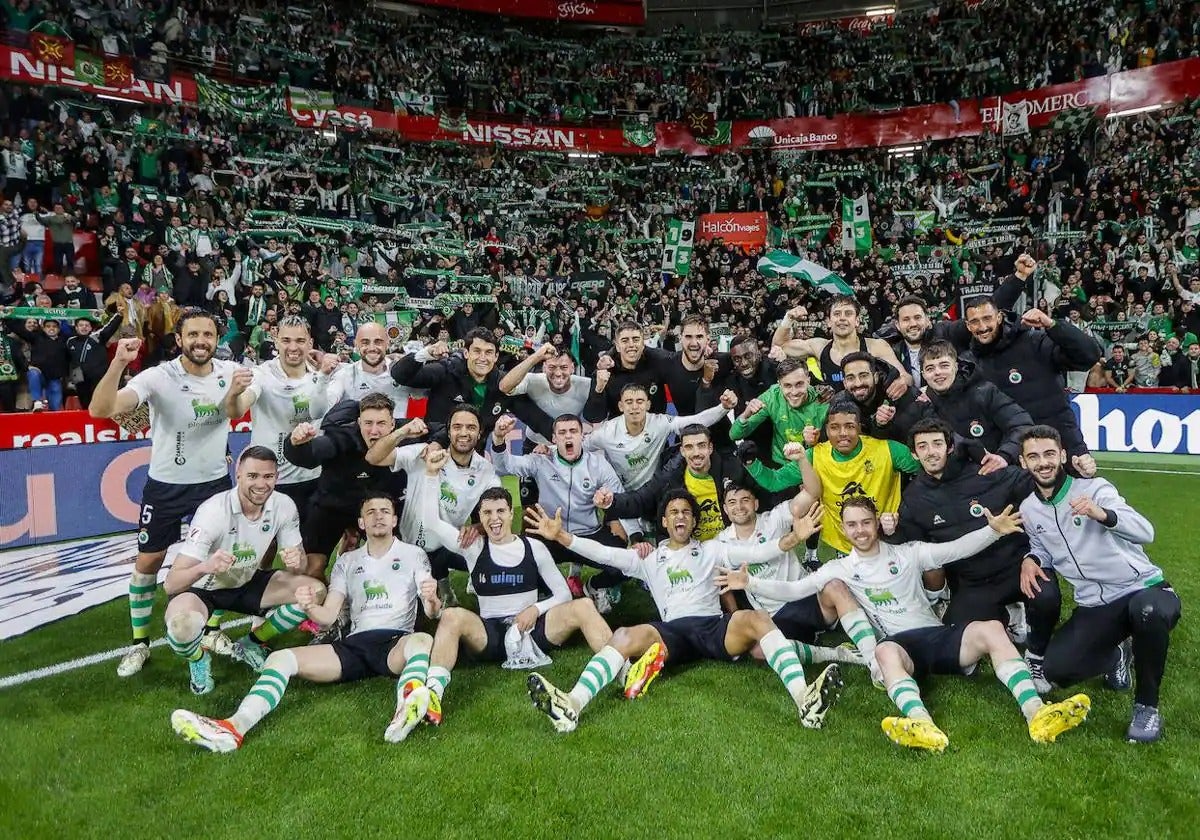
(280, 404)
(351, 382)
(682, 580)
(537, 388)
(459, 489)
(887, 584)
(782, 566)
(220, 524)
(382, 592)
(635, 457)
(189, 431)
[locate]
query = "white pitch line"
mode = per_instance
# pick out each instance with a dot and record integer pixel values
(85, 661)
(1103, 468)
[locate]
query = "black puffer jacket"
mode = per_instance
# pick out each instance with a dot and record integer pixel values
(980, 413)
(1029, 365)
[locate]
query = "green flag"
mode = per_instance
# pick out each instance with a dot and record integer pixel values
(88, 68)
(783, 264)
(677, 250)
(856, 225)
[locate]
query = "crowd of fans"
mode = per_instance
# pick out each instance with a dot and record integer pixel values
(257, 221)
(953, 51)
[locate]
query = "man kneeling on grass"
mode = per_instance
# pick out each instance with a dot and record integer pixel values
(382, 582)
(886, 581)
(679, 573)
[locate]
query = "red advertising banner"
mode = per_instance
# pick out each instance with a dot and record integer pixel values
(345, 116)
(1164, 85)
(749, 229)
(17, 65)
(607, 12)
(58, 428)
(558, 138)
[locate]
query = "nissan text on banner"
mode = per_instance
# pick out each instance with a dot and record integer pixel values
(746, 229)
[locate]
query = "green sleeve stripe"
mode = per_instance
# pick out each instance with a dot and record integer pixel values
(902, 458)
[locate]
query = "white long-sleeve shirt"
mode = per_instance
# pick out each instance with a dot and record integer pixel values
(681, 580)
(783, 565)
(887, 584)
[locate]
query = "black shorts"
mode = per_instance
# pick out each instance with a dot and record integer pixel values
(165, 506)
(323, 527)
(301, 493)
(801, 620)
(933, 650)
(494, 650)
(694, 637)
(365, 654)
(245, 599)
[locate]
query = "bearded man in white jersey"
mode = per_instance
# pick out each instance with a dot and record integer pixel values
(218, 567)
(801, 621)
(288, 390)
(556, 390)
(189, 435)
(515, 625)
(886, 581)
(371, 373)
(679, 573)
(464, 477)
(381, 582)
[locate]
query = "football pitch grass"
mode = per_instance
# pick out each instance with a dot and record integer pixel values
(712, 750)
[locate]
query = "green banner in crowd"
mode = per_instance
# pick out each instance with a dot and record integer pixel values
(52, 313)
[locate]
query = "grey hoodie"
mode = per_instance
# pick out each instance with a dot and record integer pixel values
(1102, 563)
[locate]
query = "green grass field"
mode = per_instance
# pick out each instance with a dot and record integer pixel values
(713, 749)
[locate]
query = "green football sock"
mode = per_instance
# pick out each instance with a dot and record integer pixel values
(781, 655)
(1014, 673)
(266, 692)
(279, 621)
(142, 587)
(907, 697)
(599, 672)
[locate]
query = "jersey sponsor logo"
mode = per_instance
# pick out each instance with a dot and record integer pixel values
(868, 466)
(374, 590)
(635, 461)
(678, 576)
(756, 569)
(881, 597)
(301, 404)
(976, 429)
(204, 409)
(244, 553)
(447, 494)
(1014, 376)
(976, 509)
(852, 488)
(502, 578)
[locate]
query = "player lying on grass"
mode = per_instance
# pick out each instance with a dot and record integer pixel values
(218, 567)
(381, 582)
(886, 581)
(514, 624)
(679, 573)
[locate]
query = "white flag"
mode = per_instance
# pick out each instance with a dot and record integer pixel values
(1015, 118)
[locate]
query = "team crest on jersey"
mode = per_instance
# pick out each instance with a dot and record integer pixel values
(1077, 521)
(1014, 376)
(646, 438)
(976, 429)
(975, 509)
(893, 569)
(143, 537)
(653, 388)
(695, 552)
(868, 466)
(221, 382)
(396, 566)
(587, 484)
(761, 538)
(471, 481)
(496, 408)
(266, 527)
